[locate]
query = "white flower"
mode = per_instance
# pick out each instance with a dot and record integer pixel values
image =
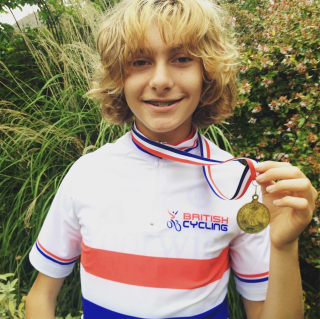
(252, 120)
(286, 61)
(255, 110)
(279, 132)
(266, 82)
(278, 156)
(316, 219)
(267, 133)
(240, 136)
(285, 50)
(289, 129)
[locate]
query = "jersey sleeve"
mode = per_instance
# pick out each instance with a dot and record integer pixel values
(59, 242)
(250, 259)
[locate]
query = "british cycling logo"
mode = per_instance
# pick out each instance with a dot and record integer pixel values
(200, 221)
(173, 223)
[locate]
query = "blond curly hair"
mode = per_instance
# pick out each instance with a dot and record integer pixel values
(199, 25)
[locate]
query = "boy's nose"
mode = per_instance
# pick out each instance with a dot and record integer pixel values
(161, 79)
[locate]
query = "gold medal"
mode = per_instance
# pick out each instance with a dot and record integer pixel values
(253, 217)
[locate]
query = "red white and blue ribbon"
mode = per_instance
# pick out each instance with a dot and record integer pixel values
(181, 154)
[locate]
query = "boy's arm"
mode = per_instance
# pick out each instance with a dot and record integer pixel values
(291, 203)
(284, 296)
(41, 300)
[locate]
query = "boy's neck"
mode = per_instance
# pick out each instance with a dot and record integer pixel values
(172, 137)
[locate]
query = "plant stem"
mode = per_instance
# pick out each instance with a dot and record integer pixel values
(15, 19)
(51, 21)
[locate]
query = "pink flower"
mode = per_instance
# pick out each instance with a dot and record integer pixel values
(266, 82)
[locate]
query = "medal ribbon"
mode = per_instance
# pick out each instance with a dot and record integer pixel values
(182, 155)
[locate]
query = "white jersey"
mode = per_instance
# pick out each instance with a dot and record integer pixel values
(155, 242)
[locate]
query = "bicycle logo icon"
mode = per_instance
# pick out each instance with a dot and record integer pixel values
(173, 223)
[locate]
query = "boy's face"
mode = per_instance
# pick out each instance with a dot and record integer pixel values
(162, 89)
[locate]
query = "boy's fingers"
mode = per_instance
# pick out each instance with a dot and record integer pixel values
(280, 173)
(264, 166)
(298, 185)
(297, 203)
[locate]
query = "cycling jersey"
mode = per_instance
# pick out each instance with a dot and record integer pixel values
(155, 242)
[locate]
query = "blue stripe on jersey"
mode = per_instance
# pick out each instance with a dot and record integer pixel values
(93, 311)
(54, 260)
(252, 280)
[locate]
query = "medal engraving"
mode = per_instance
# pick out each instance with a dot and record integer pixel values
(253, 217)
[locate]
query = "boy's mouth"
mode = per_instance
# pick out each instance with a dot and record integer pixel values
(162, 103)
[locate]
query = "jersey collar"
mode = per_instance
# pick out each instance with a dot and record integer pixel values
(187, 145)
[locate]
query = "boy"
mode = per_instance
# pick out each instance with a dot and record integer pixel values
(154, 236)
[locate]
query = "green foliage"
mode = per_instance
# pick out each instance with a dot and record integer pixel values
(46, 125)
(5, 5)
(277, 116)
(277, 113)
(69, 317)
(9, 308)
(8, 299)
(235, 304)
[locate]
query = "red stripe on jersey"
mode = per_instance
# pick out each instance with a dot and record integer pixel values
(54, 256)
(252, 276)
(156, 272)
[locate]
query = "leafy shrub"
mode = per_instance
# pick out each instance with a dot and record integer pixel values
(8, 299)
(277, 116)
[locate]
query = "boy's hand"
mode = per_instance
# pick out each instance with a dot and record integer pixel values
(291, 201)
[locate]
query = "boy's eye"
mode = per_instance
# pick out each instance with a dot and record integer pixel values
(184, 59)
(139, 63)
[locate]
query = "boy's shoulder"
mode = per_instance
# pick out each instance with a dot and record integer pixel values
(107, 154)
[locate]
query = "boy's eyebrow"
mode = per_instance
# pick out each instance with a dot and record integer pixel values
(172, 49)
(177, 48)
